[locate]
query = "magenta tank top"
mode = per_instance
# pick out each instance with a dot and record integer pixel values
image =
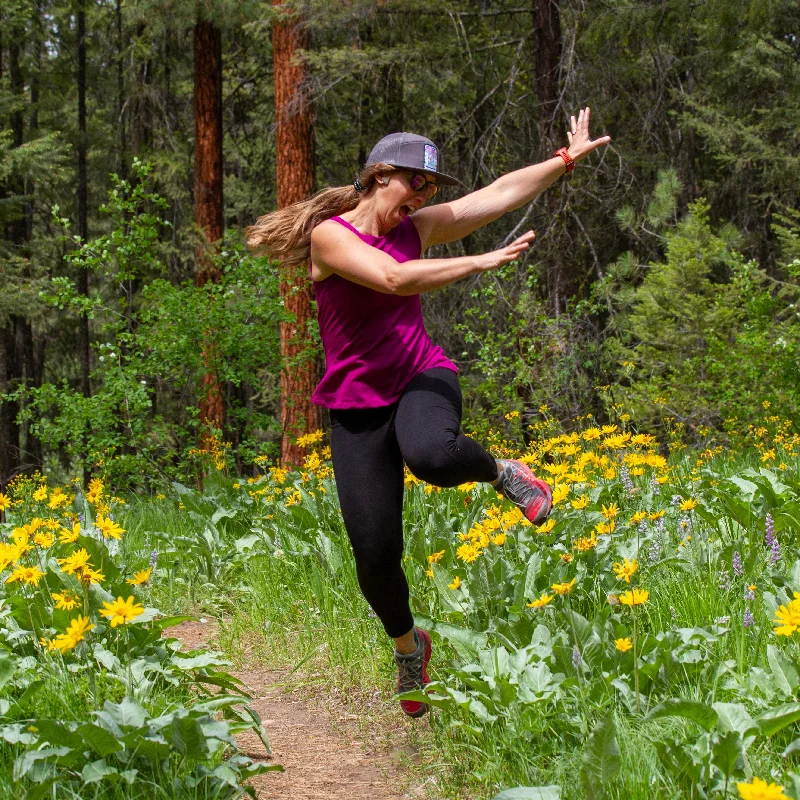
(374, 343)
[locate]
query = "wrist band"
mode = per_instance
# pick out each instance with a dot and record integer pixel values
(568, 160)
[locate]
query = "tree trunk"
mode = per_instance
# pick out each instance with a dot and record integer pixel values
(547, 46)
(9, 430)
(294, 148)
(208, 209)
(83, 208)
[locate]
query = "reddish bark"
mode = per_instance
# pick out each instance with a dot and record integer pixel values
(294, 149)
(208, 208)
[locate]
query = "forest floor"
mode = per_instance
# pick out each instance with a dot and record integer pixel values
(325, 753)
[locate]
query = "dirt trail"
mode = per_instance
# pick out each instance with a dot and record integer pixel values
(319, 762)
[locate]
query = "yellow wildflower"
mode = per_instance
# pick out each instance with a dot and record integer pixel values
(44, 540)
(638, 517)
(580, 503)
(567, 558)
(499, 539)
(584, 543)
(88, 575)
(623, 645)
(542, 601)
(435, 558)
(610, 511)
(760, 790)
(688, 505)
(40, 494)
(29, 575)
(75, 561)
(634, 598)
(563, 588)
(65, 601)
(75, 633)
(560, 493)
(122, 611)
(109, 528)
(605, 527)
(546, 527)
(788, 617)
(625, 570)
(467, 552)
(455, 584)
(141, 577)
(68, 537)
(5, 502)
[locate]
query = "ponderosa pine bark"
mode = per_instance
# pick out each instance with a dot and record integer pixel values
(208, 208)
(294, 148)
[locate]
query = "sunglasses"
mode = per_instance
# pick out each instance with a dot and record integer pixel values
(419, 183)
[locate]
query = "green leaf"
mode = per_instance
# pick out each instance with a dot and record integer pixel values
(728, 754)
(8, 666)
(734, 717)
(441, 579)
(99, 739)
(783, 671)
(127, 714)
(777, 718)
(601, 759)
(187, 736)
(530, 793)
(463, 639)
(694, 710)
(96, 771)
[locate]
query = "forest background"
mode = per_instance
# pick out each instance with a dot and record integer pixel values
(140, 138)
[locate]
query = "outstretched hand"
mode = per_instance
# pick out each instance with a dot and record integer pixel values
(505, 255)
(580, 142)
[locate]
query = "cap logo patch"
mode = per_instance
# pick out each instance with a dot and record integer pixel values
(431, 161)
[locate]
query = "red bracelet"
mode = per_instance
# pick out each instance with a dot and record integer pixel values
(568, 160)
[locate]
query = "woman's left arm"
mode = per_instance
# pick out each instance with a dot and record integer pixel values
(448, 222)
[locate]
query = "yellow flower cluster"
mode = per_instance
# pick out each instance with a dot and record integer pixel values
(491, 530)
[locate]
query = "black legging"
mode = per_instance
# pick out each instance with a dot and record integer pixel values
(369, 447)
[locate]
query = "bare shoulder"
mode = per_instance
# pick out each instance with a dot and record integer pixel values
(324, 237)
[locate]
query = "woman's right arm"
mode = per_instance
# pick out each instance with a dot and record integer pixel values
(336, 248)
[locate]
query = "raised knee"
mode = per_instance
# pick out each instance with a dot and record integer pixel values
(432, 463)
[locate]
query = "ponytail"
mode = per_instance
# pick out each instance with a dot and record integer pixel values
(286, 234)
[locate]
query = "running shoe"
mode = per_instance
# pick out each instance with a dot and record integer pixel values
(519, 485)
(412, 673)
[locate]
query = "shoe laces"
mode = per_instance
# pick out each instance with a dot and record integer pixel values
(409, 668)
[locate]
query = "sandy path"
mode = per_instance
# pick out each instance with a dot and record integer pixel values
(319, 762)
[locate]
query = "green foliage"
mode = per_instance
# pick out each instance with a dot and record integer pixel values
(139, 423)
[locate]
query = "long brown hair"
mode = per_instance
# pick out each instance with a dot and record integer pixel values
(286, 234)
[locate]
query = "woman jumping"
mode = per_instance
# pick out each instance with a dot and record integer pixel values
(393, 395)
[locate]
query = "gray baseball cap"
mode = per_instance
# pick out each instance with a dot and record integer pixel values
(410, 151)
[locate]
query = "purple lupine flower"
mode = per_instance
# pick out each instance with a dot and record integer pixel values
(749, 620)
(676, 500)
(655, 486)
(626, 480)
(724, 580)
(771, 539)
(736, 564)
(576, 657)
(654, 551)
(769, 530)
(153, 558)
(750, 592)
(673, 614)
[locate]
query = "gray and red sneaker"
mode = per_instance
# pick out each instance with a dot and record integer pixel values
(412, 673)
(519, 485)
